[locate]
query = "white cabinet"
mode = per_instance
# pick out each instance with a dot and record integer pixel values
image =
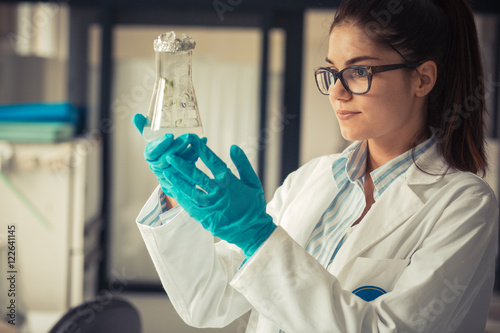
(51, 192)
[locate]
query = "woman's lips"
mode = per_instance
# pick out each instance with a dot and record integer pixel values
(345, 115)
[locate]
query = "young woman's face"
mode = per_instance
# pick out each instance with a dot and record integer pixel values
(390, 110)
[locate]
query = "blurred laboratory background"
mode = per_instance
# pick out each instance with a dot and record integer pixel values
(72, 174)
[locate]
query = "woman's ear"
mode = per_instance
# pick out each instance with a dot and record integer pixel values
(427, 76)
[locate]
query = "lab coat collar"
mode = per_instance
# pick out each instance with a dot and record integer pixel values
(433, 165)
(351, 164)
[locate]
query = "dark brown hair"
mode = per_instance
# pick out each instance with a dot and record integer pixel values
(442, 31)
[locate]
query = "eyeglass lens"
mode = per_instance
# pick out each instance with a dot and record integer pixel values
(356, 79)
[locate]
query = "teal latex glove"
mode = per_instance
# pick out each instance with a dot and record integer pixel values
(156, 151)
(230, 208)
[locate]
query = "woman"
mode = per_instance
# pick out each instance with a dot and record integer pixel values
(396, 234)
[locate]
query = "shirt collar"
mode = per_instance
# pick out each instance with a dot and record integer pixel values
(351, 165)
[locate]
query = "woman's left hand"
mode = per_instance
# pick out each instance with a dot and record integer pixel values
(231, 208)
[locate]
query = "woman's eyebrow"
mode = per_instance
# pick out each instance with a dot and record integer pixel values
(353, 60)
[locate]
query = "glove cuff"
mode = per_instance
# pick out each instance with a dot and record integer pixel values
(261, 236)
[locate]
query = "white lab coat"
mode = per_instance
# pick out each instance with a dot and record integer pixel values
(430, 241)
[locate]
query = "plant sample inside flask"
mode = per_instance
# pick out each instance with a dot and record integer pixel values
(173, 108)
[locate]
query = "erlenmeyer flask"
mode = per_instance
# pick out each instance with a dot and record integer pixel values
(173, 108)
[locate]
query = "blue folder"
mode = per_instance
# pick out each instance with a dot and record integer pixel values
(40, 112)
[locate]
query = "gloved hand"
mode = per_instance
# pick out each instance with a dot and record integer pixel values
(156, 151)
(230, 208)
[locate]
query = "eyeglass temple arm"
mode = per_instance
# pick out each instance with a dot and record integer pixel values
(386, 68)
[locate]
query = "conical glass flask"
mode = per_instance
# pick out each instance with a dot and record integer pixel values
(173, 108)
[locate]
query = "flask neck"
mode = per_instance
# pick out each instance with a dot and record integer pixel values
(169, 65)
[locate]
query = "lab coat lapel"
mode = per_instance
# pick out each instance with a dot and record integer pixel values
(398, 203)
(388, 213)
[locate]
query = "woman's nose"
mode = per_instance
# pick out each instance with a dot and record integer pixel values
(338, 91)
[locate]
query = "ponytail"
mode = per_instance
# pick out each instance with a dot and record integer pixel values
(461, 123)
(442, 31)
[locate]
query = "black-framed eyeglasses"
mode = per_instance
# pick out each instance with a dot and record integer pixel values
(356, 79)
